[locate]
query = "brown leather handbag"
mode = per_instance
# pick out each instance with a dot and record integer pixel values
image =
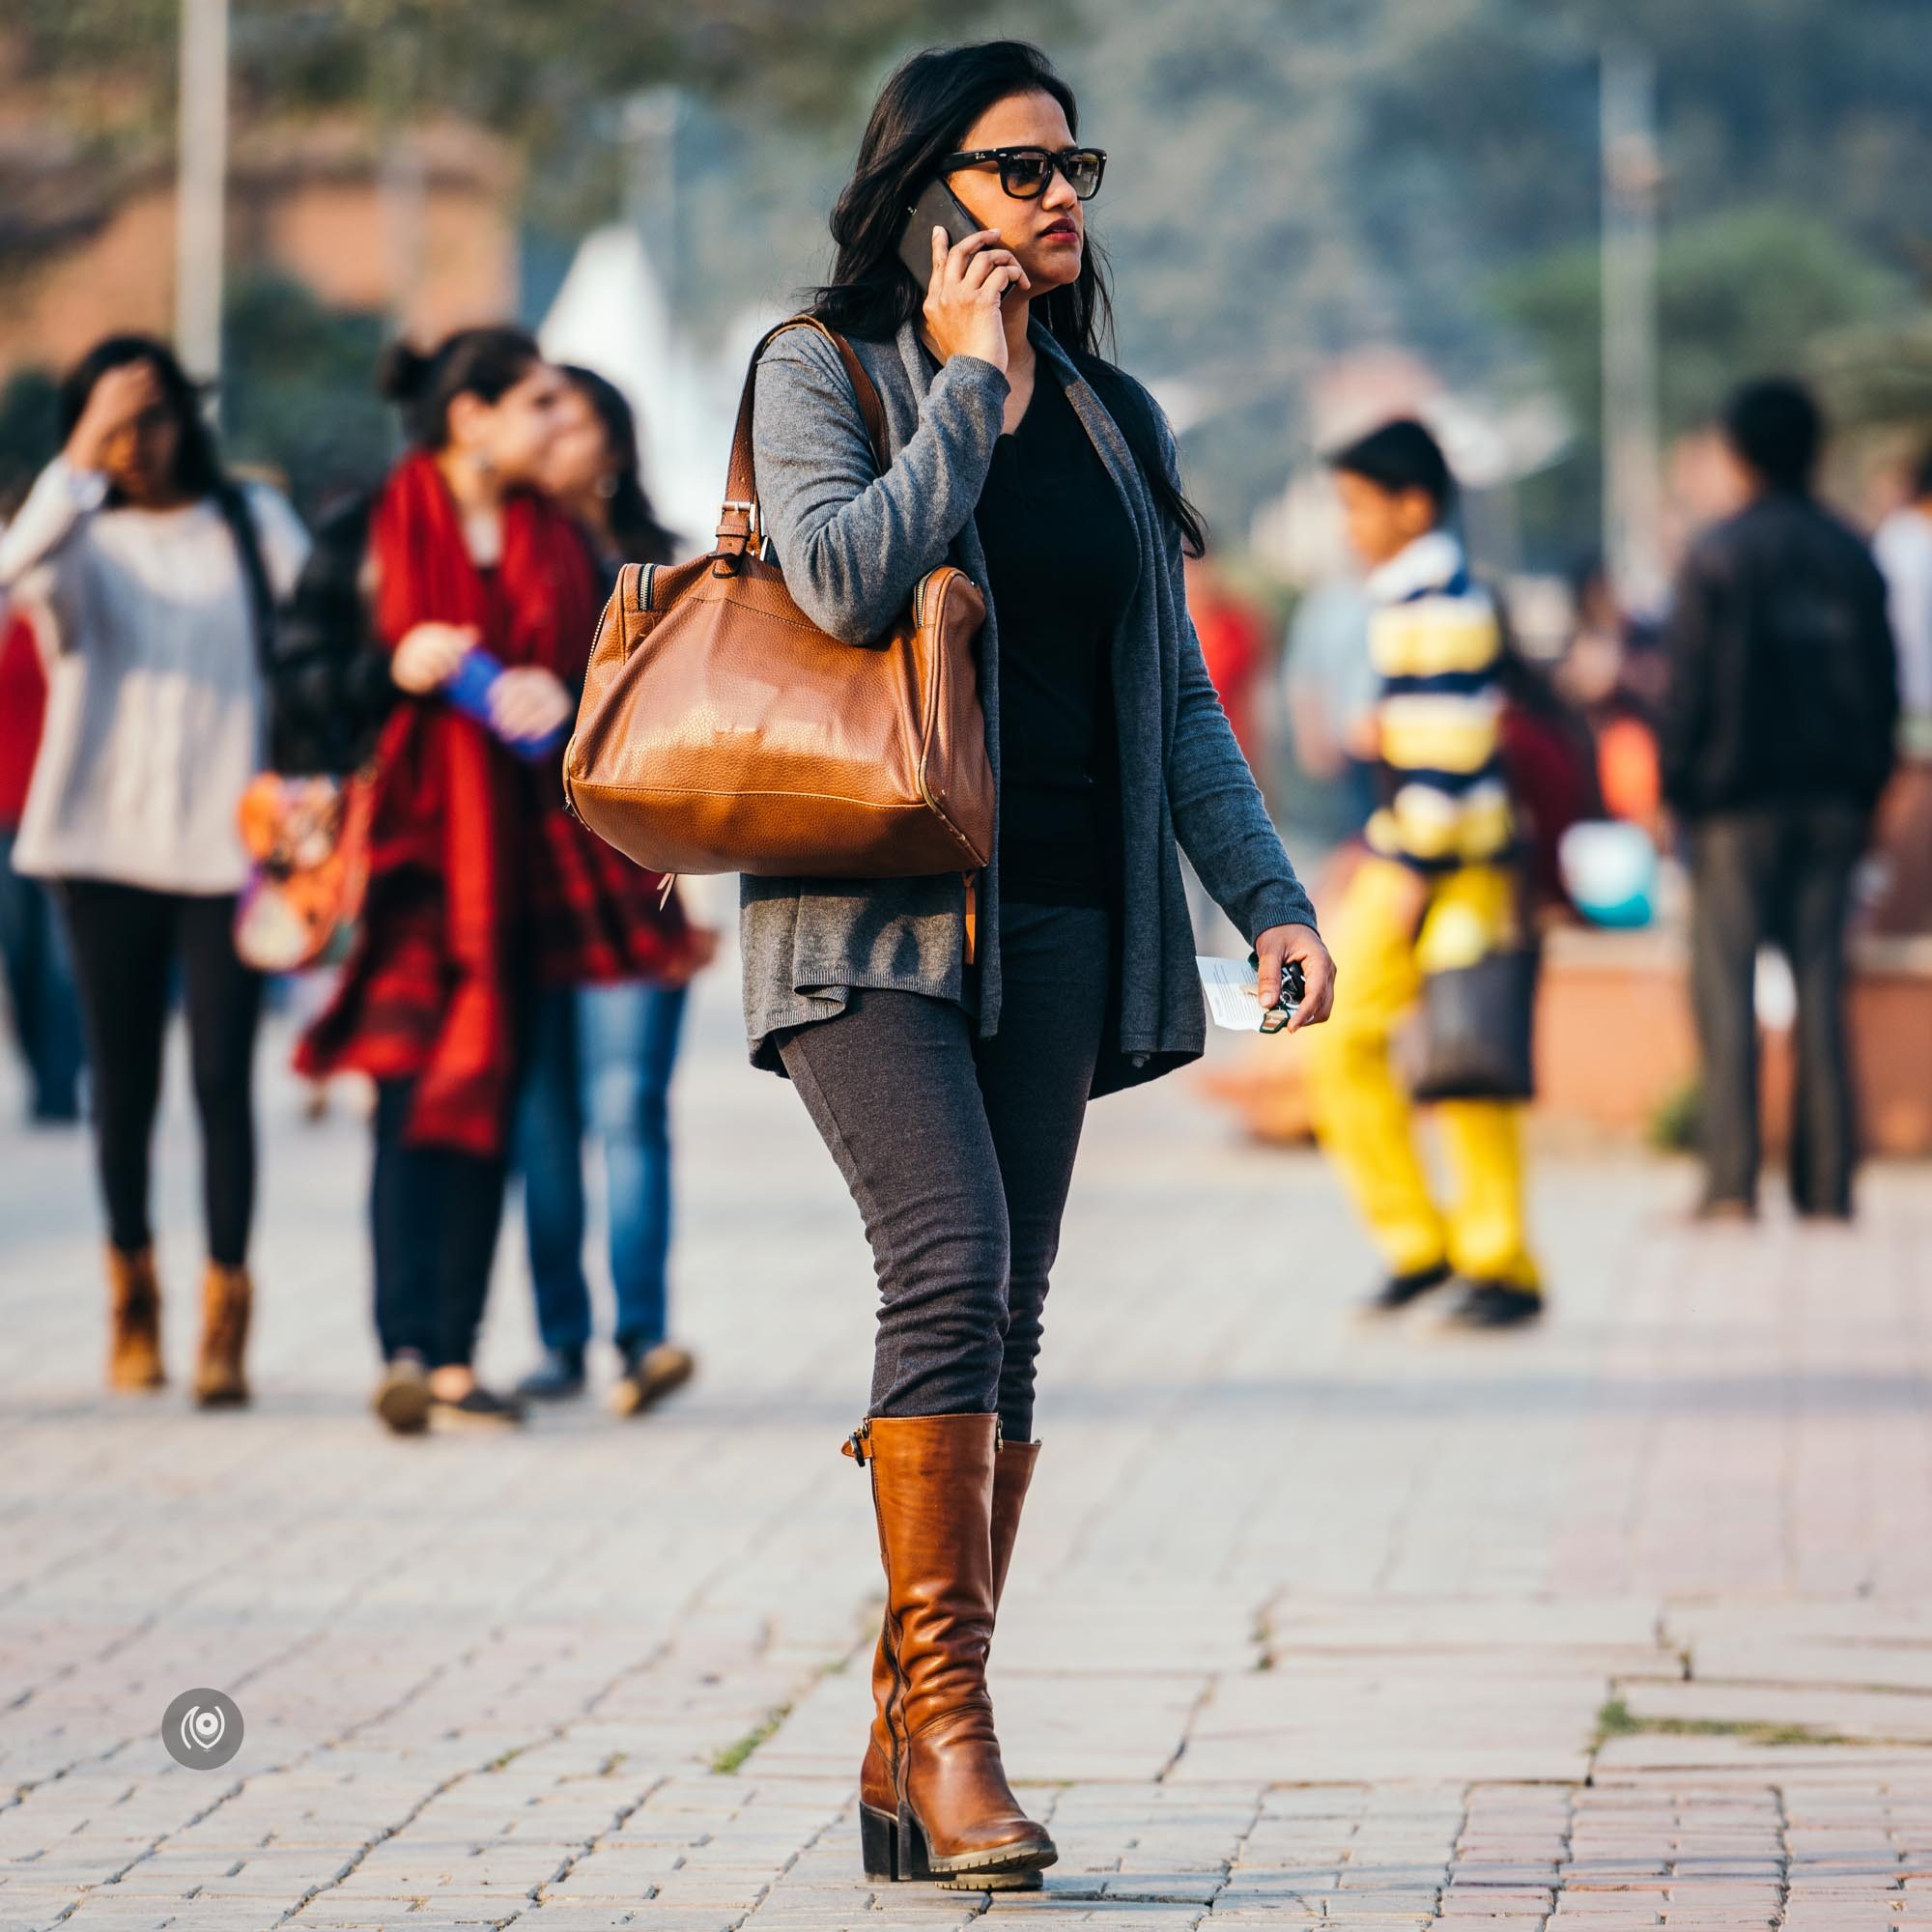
(721, 730)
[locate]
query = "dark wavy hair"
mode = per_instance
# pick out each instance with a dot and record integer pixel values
(634, 522)
(198, 471)
(486, 362)
(921, 116)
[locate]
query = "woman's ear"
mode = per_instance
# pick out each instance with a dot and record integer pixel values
(468, 417)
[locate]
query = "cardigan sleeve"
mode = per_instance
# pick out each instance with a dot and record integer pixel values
(1219, 815)
(852, 543)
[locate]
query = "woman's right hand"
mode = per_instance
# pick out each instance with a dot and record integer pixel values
(428, 655)
(530, 703)
(962, 300)
(122, 394)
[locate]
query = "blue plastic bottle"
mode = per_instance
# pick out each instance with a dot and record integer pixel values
(469, 690)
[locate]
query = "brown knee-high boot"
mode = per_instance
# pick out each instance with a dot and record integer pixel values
(944, 1810)
(134, 1320)
(1012, 1473)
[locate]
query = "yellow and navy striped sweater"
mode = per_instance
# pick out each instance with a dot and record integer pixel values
(1437, 649)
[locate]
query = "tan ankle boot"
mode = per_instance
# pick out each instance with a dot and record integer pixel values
(1012, 1474)
(946, 1811)
(226, 1297)
(133, 1322)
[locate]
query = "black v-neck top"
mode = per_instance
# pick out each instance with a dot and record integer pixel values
(1060, 560)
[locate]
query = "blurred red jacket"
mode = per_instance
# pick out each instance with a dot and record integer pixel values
(23, 709)
(1234, 648)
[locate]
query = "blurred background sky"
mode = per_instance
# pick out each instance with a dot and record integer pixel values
(1315, 210)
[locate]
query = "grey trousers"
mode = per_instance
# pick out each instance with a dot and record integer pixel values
(959, 1152)
(1779, 876)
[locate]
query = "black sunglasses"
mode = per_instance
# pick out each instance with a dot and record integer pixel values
(1024, 172)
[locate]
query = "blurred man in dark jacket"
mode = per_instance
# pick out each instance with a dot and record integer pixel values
(1776, 739)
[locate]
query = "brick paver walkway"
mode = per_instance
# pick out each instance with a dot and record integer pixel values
(1627, 1623)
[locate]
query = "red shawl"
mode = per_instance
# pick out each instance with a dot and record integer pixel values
(479, 882)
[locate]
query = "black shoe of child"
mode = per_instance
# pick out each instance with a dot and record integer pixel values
(1495, 1304)
(480, 1408)
(1400, 1290)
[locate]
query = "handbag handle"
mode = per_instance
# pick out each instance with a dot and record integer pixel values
(738, 519)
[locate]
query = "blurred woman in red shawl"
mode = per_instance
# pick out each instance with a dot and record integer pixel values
(481, 891)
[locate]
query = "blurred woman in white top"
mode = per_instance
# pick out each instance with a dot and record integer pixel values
(152, 580)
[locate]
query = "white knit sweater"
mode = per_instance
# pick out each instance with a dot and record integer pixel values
(155, 705)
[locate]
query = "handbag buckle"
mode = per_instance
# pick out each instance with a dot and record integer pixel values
(733, 546)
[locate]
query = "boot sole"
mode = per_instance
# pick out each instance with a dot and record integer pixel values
(894, 1852)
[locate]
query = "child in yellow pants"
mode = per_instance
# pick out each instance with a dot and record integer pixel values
(1362, 1113)
(1437, 892)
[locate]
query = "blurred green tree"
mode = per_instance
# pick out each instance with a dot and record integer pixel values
(29, 433)
(1751, 293)
(297, 401)
(528, 68)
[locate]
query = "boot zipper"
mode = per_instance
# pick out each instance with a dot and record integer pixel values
(854, 1444)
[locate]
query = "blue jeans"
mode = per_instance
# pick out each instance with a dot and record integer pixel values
(41, 990)
(601, 1061)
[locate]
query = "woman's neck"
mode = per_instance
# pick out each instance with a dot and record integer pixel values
(473, 484)
(479, 501)
(158, 503)
(592, 513)
(1019, 348)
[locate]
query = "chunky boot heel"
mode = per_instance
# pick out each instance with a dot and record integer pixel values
(915, 1862)
(878, 1844)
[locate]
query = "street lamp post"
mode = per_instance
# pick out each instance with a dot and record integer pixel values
(1632, 459)
(202, 189)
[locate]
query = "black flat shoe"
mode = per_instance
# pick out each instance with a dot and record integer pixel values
(557, 1377)
(480, 1408)
(1495, 1304)
(1400, 1290)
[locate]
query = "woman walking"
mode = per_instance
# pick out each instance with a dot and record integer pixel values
(602, 1056)
(480, 892)
(950, 1081)
(154, 725)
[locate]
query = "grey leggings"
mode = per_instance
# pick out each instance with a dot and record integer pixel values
(959, 1152)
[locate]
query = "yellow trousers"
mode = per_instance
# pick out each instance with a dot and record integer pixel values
(1362, 1115)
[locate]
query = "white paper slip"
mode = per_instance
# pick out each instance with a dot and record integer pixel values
(1232, 1000)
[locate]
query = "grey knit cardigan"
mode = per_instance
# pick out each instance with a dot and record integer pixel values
(852, 544)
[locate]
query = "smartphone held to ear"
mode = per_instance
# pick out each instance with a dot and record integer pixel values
(937, 208)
